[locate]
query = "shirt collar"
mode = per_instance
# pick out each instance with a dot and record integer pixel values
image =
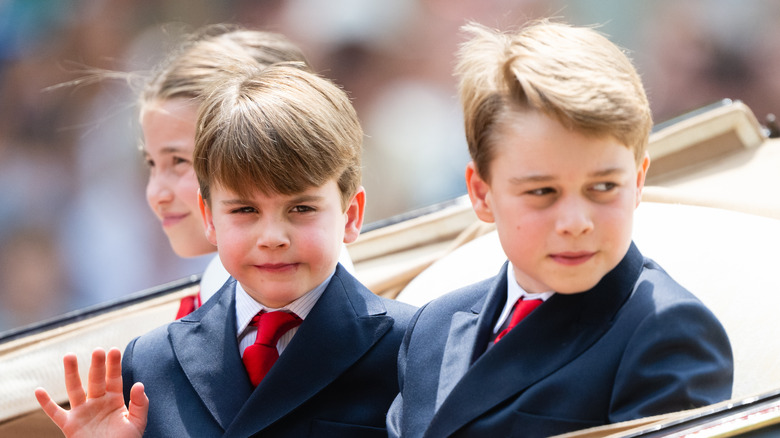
(513, 293)
(247, 307)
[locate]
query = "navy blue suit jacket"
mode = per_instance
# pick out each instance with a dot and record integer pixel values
(337, 377)
(637, 344)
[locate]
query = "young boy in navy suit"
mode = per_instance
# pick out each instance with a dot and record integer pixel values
(557, 124)
(277, 158)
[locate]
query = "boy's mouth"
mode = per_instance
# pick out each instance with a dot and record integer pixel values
(572, 258)
(277, 268)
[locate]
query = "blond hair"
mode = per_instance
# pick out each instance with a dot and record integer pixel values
(210, 54)
(282, 130)
(572, 74)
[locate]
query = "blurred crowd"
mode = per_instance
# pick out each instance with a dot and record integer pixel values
(75, 229)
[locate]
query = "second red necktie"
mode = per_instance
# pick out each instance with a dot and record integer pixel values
(522, 309)
(260, 356)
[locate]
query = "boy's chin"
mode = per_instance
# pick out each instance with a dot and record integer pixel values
(275, 302)
(276, 296)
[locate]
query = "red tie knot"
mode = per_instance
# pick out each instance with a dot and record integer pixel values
(272, 325)
(521, 309)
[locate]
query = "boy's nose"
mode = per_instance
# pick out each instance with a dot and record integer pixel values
(574, 218)
(272, 235)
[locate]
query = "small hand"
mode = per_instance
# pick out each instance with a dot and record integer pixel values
(101, 411)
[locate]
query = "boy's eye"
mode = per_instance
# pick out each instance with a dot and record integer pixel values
(604, 186)
(243, 210)
(302, 209)
(149, 162)
(541, 191)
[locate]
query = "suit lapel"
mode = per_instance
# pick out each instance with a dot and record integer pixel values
(553, 335)
(343, 325)
(205, 345)
(468, 337)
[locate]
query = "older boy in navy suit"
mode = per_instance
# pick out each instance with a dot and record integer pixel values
(557, 124)
(277, 157)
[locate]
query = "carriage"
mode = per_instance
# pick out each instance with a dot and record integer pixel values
(710, 215)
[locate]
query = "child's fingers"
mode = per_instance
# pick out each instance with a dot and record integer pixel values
(139, 406)
(96, 385)
(114, 371)
(52, 410)
(73, 386)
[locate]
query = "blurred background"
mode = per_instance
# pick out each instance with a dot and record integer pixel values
(75, 229)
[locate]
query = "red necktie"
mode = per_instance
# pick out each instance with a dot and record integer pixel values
(522, 309)
(260, 356)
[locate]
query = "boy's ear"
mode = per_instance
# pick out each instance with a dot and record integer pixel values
(478, 193)
(641, 174)
(208, 220)
(354, 215)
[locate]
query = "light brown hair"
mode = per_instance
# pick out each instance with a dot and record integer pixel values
(282, 130)
(572, 74)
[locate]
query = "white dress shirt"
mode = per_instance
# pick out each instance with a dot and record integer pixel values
(513, 293)
(247, 308)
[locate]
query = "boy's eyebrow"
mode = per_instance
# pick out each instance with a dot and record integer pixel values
(306, 198)
(294, 200)
(546, 178)
(530, 179)
(235, 201)
(607, 172)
